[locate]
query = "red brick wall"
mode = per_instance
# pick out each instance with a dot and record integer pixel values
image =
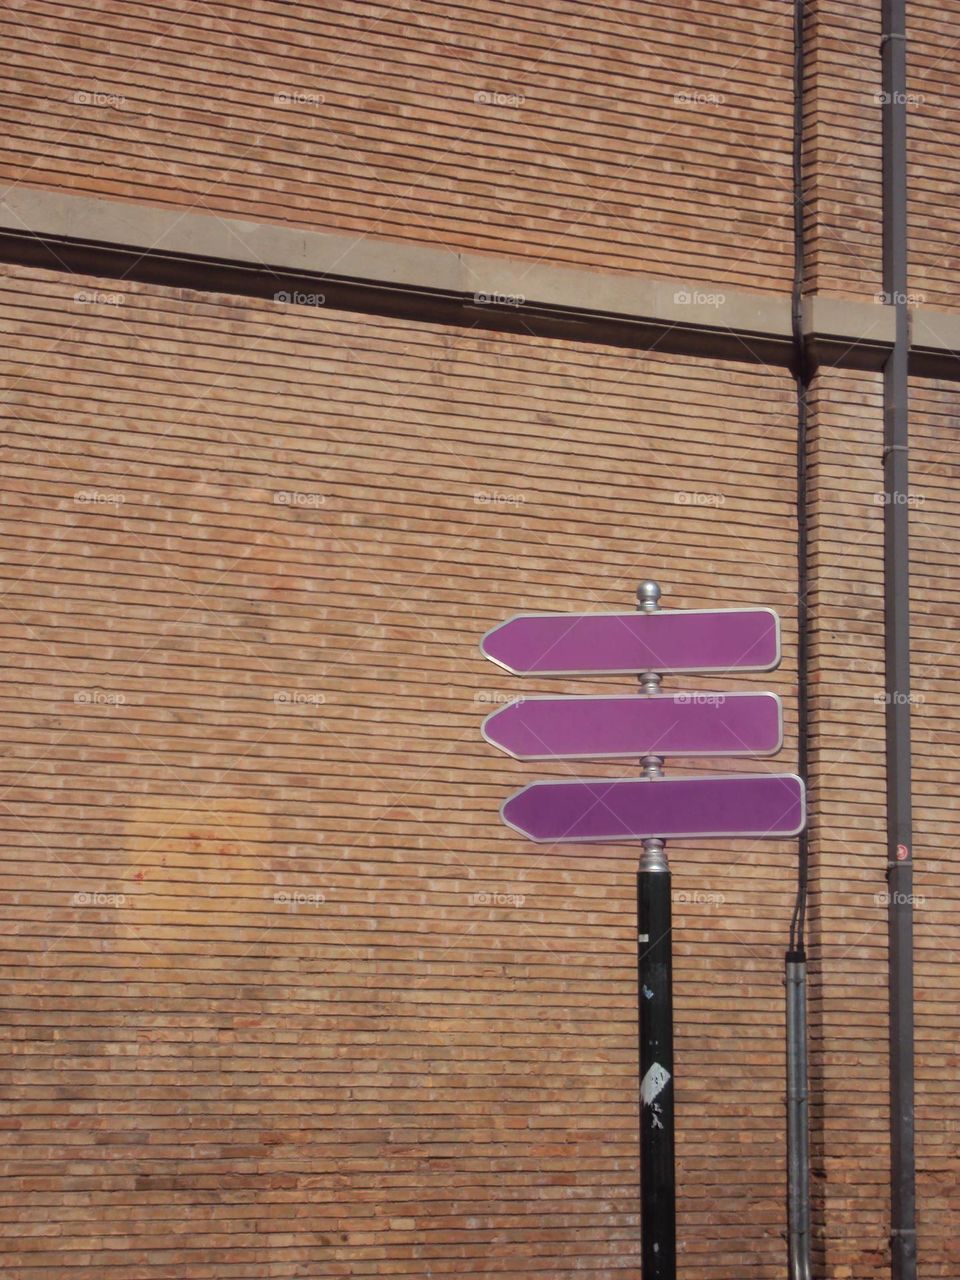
(842, 148)
(848, 931)
(646, 137)
(286, 998)
(935, 530)
(844, 161)
(848, 1013)
(843, 140)
(934, 89)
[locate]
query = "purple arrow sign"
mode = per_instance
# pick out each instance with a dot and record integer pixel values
(566, 644)
(614, 809)
(684, 724)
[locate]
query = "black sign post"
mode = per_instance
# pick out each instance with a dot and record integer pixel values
(658, 1182)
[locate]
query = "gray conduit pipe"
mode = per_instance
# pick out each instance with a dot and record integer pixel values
(903, 1207)
(798, 1132)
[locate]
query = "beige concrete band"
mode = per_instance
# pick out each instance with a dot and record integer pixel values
(839, 330)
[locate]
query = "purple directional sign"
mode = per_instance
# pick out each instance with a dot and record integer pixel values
(679, 724)
(610, 810)
(566, 644)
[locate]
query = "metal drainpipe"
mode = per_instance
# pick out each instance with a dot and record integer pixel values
(798, 1138)
(798, 1135)
(903, 1235)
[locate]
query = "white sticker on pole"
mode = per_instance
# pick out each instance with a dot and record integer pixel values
(653, 1083)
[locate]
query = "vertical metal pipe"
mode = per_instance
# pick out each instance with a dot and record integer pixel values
(897, 647)
(658, 1192)
(798, 1134)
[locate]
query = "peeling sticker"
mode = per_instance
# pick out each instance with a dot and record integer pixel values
(653, 1083)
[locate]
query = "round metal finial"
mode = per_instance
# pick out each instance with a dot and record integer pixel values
(654, 856)
(652, 766)
(648, 596)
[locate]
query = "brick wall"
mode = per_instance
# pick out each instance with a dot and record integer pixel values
(848, 930)
(842, 145)
(934, 97)
(843, 162)
(935, 531)
(286, 999)
(844, 149)
(848, 1012)
(652, 138)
